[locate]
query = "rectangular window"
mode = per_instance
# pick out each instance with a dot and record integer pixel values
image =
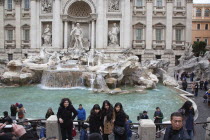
(10, 35)
(158, 34)
(158, 56)
(198, 26)
(178, 35)
(9, 4)
(198, 39)
(139, 3)
(26, 35)
(206, 40)
(179, 3)
(10, 57)
(159, 3)
(206, 26)
(138, 34)
(26, 4)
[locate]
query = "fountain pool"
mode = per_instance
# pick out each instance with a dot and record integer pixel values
(37, 100)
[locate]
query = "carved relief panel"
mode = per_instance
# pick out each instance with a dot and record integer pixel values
(46, 6)
(114, 6)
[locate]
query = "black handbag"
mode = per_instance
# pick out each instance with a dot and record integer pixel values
(119, 130)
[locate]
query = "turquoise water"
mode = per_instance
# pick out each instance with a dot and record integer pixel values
(37, 100)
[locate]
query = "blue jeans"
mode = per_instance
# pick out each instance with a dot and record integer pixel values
(191, 134)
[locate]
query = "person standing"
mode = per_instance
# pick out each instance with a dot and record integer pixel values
(193, 88)
(201, 84)
(206, 85)
(108, 118)
(177, 76)
(13, 109)
(128, 128)
(65, 118)
(208, 97)
(176, 130)
(158, 116)
(21, 113)
(184, 85)
(196, 89)
(120, 122)
(188, 113)
(192, 76)
(95, 119)
(49, 113)
(144, 115)
(81, 117)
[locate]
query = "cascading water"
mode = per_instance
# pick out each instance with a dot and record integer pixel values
(101, 83)
(62, 79)
(92, 81)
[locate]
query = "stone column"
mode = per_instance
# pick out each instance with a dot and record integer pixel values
(146, 130)
(169, 27)
(2, 24)
(188, 34)
(149, 24)
(56, 38)
(127, 24)
(93, 35)
(53, 128)
(100, 24)
(207, 131)
(33, 31)
(18, 34)
(65, 34)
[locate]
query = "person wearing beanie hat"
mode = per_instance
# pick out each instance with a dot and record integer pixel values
(21, 113)
(17, 104)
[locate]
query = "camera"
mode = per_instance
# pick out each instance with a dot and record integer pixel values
(7, 128)
(139, 116)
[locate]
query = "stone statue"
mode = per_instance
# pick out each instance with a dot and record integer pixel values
(114, 5)
(77, 36)
(113, 35)
(47, 36)
(46, 6)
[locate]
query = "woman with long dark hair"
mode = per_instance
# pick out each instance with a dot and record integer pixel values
(107, 117)
(95, 119)
(65, 118)
(188, 112)
(120, 122)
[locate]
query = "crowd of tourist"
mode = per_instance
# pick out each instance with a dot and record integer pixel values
(102, 122)
(195, 86)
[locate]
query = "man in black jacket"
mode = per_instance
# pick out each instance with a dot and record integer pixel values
(176, 131)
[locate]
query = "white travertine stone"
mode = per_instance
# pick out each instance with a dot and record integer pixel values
(56, 24)
(100, 24)
(65, 34)
(189, 21)
(127, 21)
(52, 127)
(17, 25)
(2, 25)
(169, 20)
(93, 35)
(207, 130)
(149, 25)
(33, 30)
(146, 130)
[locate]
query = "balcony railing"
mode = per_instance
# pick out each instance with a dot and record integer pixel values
(178, 45)
(9, 12)
(25, 12)
(139, 9)
(25, 44)
(159, 9)
(9, 44)
(158, 44)
(139, 44)
(179, 9)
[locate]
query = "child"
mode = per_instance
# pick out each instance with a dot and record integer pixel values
(83, 132)
(128, 128)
